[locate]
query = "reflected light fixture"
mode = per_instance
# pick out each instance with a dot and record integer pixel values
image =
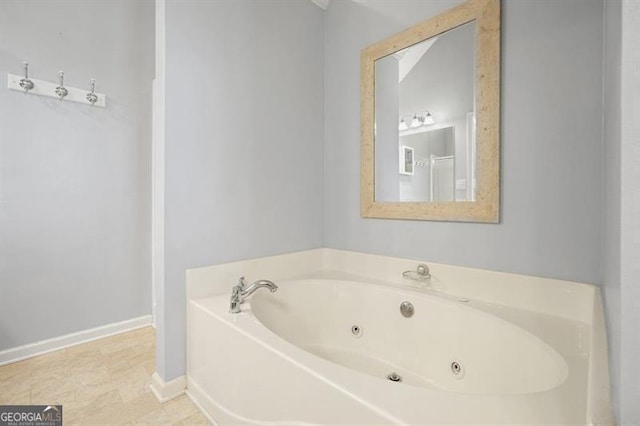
(428, 119)
(417, 120)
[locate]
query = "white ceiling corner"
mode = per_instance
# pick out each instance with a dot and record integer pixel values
(410, 56)
(322, 4)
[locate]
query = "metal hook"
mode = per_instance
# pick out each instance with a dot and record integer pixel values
(25, 83)
(91, 96)
(61, 91)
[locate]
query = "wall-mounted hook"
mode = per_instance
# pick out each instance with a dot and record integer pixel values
(25, 83)
(56, 89)
(91, 96)
(61, 91)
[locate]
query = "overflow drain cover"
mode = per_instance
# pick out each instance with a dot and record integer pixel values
(457, 369)
(394, 377)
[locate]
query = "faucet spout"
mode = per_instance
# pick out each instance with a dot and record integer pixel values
(256, 285)
(240, 292)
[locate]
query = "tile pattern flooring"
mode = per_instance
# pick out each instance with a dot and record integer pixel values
(101, 382)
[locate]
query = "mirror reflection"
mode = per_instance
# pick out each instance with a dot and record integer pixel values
(425, 142)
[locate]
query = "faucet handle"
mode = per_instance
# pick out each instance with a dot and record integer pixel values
(423, 270)
(242, 283)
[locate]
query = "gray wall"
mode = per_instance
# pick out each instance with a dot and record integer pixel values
(386, 137)
(551, 142)
(238, 189)
(74, 182)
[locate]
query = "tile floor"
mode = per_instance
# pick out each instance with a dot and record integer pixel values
(101, 382)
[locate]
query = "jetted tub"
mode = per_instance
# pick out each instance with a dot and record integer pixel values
(322, 351)
(445, 345)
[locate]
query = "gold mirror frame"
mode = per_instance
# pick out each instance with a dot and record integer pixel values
(486, 208)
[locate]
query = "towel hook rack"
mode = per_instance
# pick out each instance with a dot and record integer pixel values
(26, 85)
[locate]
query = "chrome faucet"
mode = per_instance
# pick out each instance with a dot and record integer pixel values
(420, 274)
(241, 292)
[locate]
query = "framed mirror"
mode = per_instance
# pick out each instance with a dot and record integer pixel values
(430, 119)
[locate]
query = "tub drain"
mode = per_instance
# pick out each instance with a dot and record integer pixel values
(407, 309)
(394, 377)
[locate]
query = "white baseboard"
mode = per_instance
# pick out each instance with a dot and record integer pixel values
(164, 391)
(19, 353)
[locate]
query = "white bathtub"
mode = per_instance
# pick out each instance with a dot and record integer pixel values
(446, 345)
(294, 357)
